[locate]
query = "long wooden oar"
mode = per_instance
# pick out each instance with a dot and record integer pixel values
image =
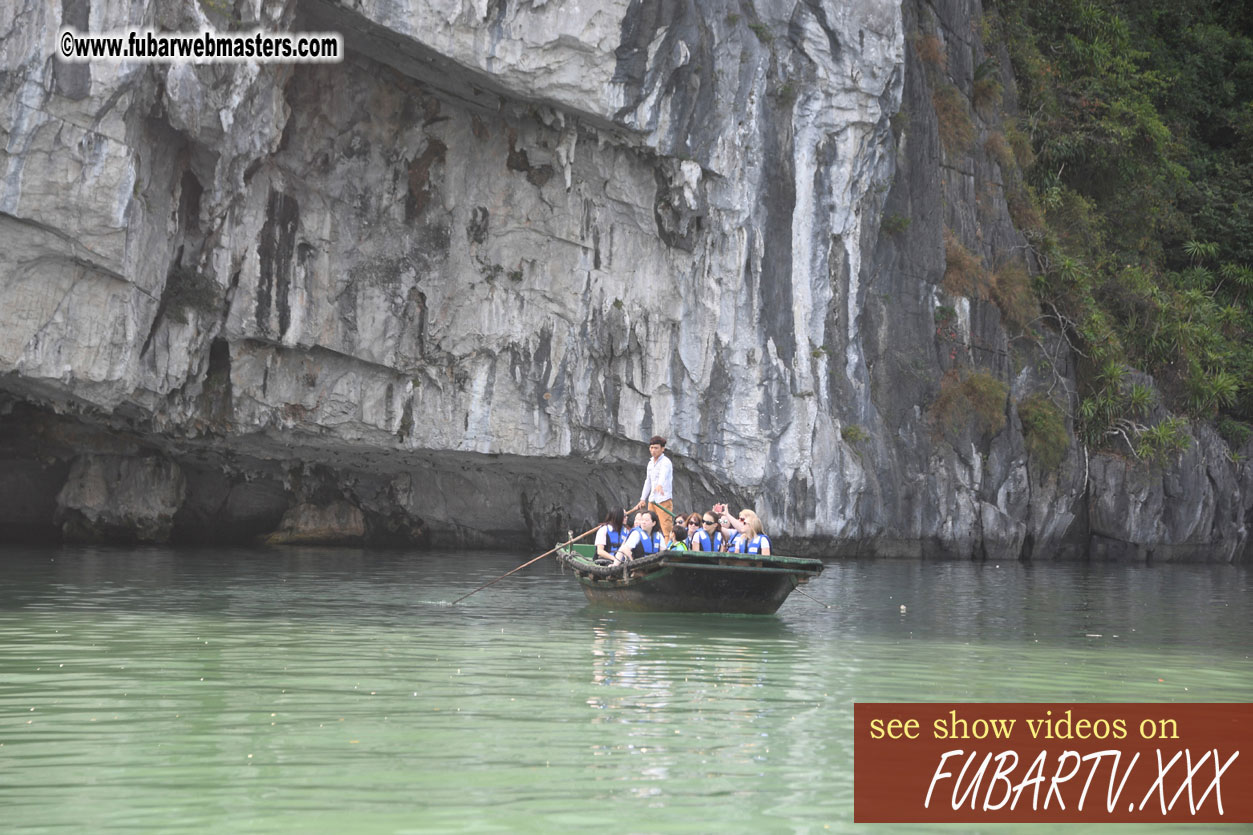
(810, 596)
(525, 564)
(651, 505)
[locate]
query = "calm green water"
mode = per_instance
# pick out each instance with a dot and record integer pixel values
(338, 691)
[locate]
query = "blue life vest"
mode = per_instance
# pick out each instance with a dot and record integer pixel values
(754, 546)
(614, 539)
(649, 544)
(703, 542)
(737, 544)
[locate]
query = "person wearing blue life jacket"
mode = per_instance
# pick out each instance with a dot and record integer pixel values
(750, 536)
(611, 535)
(692, 524)
(708, 538)
(645, 538)
(726, 524)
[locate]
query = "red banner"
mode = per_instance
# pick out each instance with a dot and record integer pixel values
(1005, 762)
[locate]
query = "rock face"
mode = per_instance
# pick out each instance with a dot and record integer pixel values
(107, 497)
(338, 523)
(448, 286)
(1197, 509)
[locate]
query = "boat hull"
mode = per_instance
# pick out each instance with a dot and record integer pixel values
(692, 581)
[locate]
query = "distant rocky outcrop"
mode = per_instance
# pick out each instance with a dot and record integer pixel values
(440, 293)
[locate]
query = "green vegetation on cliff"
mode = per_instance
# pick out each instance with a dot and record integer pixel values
(1135, 139)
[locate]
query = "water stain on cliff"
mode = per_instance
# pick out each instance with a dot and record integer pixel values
(421, 187)
(276, 251)
(679, 69)
(74, 80)
(796, 34)
(216, 392)
(775, 301)
(191, 192)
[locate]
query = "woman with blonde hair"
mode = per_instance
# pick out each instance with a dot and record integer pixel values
(750, 537)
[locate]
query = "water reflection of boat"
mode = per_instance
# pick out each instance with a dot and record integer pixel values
(690, 581)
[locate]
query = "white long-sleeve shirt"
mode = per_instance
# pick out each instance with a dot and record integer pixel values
(659, 482)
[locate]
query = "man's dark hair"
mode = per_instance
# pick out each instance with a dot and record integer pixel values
(657, 439)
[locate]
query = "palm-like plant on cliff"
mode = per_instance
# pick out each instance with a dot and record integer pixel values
(1139, 187)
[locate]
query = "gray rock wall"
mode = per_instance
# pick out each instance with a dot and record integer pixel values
(446, 288)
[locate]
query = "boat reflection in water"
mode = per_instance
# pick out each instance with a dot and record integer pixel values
(669, 692)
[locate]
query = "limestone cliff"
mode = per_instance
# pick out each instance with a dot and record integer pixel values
(442, 291)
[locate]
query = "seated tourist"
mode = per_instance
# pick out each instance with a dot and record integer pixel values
(708, 537)
(750, 537)
(645, 538)
(611, 535)
(693, 525)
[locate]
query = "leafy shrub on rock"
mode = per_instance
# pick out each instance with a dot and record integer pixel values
(1043, 430)
(973, 398)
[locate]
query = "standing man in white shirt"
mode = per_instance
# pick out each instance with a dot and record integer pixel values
(658, 494)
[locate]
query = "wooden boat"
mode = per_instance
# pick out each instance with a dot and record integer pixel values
(690, 581)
